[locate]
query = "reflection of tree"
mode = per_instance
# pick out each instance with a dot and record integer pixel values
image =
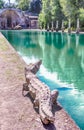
(48, 38)
(80, 52)
(77, 40)
(59, 40)
(46, 50)
(81, 39)
(25, 42)
(60, 53)
(63, 61)
(71, 65)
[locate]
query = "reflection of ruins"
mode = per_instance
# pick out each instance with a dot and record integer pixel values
(61, 53)
(10, 18)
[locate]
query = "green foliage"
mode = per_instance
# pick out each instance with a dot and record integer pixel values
(42, 20)
(70, 8)
(53, 10)
(46, 9)
(23, 4)
(31, 5)
(35, 6)
(81, 17)
(1, 4)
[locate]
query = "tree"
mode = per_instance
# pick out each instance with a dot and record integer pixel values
(68, 7)
(35, 6)
(9, 1)
(51, 11)
(56, 12)
(71, 8)
(42, 21)
(31, 5)
(1, 4)
(81, 18)
(23, 4)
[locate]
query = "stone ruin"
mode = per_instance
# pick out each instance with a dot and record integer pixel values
(11, 18)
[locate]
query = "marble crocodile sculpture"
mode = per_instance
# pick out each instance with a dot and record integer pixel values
(40, 92)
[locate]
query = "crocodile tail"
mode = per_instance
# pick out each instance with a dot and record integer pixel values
(47, 111)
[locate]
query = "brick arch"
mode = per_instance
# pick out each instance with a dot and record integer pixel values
(11, 18)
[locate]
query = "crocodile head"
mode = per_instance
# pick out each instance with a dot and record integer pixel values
(39, 62)
(36, 67)
(33, 67)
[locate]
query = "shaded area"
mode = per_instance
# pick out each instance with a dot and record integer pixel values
(49, 127)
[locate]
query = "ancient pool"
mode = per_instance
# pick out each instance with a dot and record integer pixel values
(62, 66)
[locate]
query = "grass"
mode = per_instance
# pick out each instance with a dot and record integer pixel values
(3, 45)
(11, 57)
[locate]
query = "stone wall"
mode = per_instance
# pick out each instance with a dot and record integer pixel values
(9, 18)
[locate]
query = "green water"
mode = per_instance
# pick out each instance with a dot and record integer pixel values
(62, 64)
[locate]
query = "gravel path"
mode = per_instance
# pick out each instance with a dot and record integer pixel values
(16, 111)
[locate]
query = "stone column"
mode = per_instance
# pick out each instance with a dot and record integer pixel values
(69, 26)
(62, 26)
(78, 28)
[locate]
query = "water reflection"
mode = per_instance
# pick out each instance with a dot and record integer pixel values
(63, 64)
(61, 53)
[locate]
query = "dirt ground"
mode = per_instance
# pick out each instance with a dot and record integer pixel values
(16, 111)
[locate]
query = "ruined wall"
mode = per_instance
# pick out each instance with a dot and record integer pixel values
(9, 18)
